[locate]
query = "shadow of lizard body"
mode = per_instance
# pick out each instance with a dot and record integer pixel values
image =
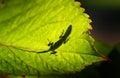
(57, 44)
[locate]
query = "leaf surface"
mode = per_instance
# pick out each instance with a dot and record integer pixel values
(28, 26)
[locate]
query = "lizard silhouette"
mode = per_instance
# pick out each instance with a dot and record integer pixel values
(57, 44)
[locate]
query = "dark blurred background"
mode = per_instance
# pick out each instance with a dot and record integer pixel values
(105, 16)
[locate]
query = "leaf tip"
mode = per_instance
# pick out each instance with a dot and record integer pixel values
(106, 59)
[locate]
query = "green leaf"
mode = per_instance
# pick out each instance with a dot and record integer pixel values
(103, 47)
(28, 26)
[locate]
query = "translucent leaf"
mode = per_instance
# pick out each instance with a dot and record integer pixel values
(28, 26)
